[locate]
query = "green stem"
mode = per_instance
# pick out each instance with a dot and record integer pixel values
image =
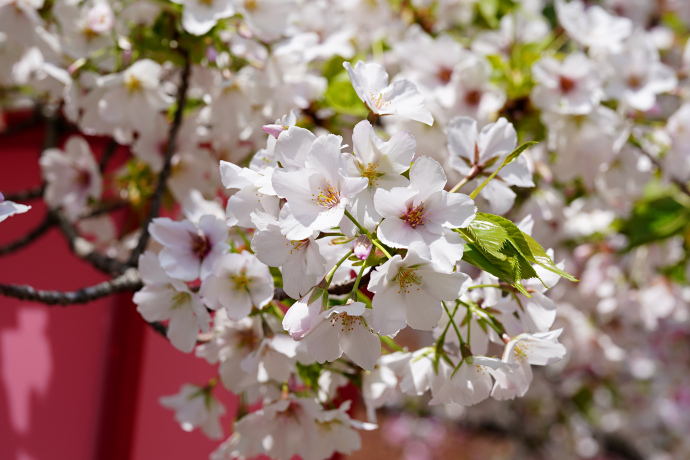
(497, 286)
(366, 232)
(355, 288)
(329, 277)
(452, 321)
(474, 172)
(390, 343)
(247, 243)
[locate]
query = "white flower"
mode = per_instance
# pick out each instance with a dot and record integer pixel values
(592, 26)
(301, 262)
(342, 329)
(468, 384)
(318, 194)
(424, 213)
(572, 86)
(10, 208)
(238, 283)
(255, 193)
(382, 164)
(131, 98)
(524, 350)
(474, 151)
(637, 74)
(195, 407)
(72, 177)
(410, 291)
(199, 16)
(189, 250)
(164, 298)
(370, 82)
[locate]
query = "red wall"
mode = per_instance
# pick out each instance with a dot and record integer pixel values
(81, 382)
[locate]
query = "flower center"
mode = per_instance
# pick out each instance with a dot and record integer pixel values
(378, 101)
(247, 339)
(298, 245)
(180, 299)
(347, 323)
(328, 198)
(634, 81)
(240, 281)
(415, 216)
(566, 84)
(406, 278)
(445, 74)
(132, 83)
(371, 172)
(201, 246)
(473, 97)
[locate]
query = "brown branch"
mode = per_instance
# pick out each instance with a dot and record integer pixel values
(26, 195)
(157, 198)
(107, 155)
(47, 223)
(86, 250)
(128, 281)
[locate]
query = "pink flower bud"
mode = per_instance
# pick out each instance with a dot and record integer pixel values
(361, 247)
(274, 130)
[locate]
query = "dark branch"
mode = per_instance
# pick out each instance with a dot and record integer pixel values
(26, 195)
(40, 229)
(337, 289)
(157, 197)
(86, 250)
(129, 281)
(107, 155)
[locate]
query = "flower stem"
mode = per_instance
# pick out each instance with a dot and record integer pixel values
(363, 230)
(474, 172)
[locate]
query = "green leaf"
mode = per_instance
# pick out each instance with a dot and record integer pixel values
(509, 159)
(501, 269)
(524, 244)
(655, 218)
(341, 96)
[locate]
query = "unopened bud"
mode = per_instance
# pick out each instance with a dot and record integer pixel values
(274, 130)
(361, 247)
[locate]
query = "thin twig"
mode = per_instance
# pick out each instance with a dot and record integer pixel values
(157, 198)
(107, 155)
(86, 250)
(47, 223)
(128, 281)
(26, 195)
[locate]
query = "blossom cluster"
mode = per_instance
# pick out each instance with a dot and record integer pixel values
(348, 205)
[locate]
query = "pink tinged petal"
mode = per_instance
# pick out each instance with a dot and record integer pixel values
(233, 176)
(447, 250)
(406, 101)
(444, 286)
(325, 156)
(153, 302)
(323, 343)
(362, 142)
(517, 173)
(298, 319)
(183, 328)
(292, 147)
(290, 227)
(388, 315)
(499, 196)
(400, 151)
(422, 311)
(393, 203)
(427, 177)
(274, 130)
(180, 263)
(362, 346)
(172, 234)
(151, 270)
(397, 233)
(540, 313)
(497, 140)
(453, 210)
